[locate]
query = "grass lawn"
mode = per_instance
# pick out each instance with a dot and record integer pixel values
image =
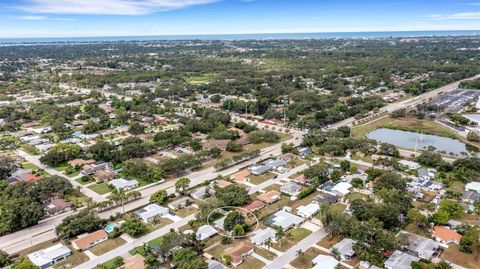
(405, 124)
(456, 187)
(73, 260)
(106, 246)
(29, 166)
(74, 174)
(268, 210)
(79, 180)
(110, 264)
(218, 251)
(161, 222)
(328, 242)
(304, 261)
(261, 178)
(77, 198)
(453, 254)
(101, 188)
(186, 211)
(200, 79)
(471, 219)
(411, 228)
(339, 207)
(267, 254)
(304, 201)
(61, 167)
(250, 262)
(294, 163)
(355, 195)
(289, 241)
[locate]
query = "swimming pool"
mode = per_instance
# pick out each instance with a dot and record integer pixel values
(109, 228)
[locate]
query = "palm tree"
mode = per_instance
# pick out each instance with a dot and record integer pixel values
(300, 252)
(268, 243)
(279, 234)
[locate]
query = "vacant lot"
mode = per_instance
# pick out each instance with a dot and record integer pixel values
(72, 261)
(101, 188)
(291, 238)
(453, 254)
(304, 261)
(106, 246)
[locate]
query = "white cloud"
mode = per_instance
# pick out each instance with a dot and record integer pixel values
(106, 7)
(457, 16)
(31, 18)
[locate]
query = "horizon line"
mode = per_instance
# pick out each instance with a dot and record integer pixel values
(238, 34)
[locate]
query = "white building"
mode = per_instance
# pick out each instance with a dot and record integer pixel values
(205, 232)
(261, 236)
(324, 262)
(473, 186)
(308, 211)
(342, 188)
(151, 211)
(47, 257)
(121, 183)
(400, 260)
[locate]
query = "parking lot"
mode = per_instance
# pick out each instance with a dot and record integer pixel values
(456, 100)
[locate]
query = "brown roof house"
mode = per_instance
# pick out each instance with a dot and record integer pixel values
(90, 240)
(445, 235)
(103, 176)
(80, 162)
(241, 176)
(269, 197)
(240, 251)
(57, 206)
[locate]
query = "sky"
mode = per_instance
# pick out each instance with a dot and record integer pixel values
(88, 18)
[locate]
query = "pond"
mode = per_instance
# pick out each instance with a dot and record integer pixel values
(411, 140)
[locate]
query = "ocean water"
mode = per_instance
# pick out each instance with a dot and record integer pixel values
(344, 35)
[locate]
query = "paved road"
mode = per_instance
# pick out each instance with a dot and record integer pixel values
(289, 255)
(122, 250)
(409, 102)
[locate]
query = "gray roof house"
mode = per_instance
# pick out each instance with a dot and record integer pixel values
(422, 247)
(180, 203)
(471, 197)
(400, 260)
(290, 188)
(205, 232)
(258, 170)
(151, 211)
(275, 163)
(201, 193)
(261, 236)
(284, 219)
(345, 248)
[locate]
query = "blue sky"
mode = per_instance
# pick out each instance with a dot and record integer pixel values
(77, 18)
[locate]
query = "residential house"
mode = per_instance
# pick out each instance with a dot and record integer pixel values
(342, 188)
(287, 156)
(275, 164)
(201, 193)
(345, 248)
(471, 197)
(212, 264)
(422, 247)
(260, 169)
(57, 206)
(124, 184)
(400, 260)
(324, 262)
(302, 180)
(45, 258)
(445, 235)
(261, 236)
(90, 169)
(151, 211)
(255, 205)
(240, 251)
(269, 197)
(304, 151)
(424, 174)
(241, 176)
(409, 164)
(326, 198)
(205, 232)
(473, 186)
(291, 188)
(308, 211)
(222, 183)
(180, 203)
(284, 219)
(104, 176)
(87, 241)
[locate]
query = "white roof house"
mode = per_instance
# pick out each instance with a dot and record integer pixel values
(473, 186)
(205, 232)
(284, 220)
(308, 211)
(261, 236)
(342, 188)
(409, 164)
(150, 211)
(121, 183)
(400, 260)
(47, 257)
(324, 262)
